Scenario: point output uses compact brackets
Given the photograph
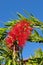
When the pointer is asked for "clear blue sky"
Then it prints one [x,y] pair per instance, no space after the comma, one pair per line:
[8,10]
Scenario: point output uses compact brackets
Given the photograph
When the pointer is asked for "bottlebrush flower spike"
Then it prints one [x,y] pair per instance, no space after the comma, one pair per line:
[9,41]
[20,33]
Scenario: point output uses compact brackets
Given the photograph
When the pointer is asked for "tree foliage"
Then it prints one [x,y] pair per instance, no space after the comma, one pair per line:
[6,55]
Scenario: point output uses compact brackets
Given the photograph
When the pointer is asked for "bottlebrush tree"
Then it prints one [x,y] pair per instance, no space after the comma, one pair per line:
[14,35]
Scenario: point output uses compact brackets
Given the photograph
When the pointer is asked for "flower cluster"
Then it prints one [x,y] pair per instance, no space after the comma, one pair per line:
[20,32]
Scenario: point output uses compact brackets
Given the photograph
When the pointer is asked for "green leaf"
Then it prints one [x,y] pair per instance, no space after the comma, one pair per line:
[2,30]
[8,62]
[20,16]
[35,37]
[1,57]
[11,23]
[36,32]
[4,51]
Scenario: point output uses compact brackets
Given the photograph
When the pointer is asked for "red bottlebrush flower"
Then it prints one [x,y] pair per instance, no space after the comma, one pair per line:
[20,32]
[21,41]
[11,34]
[9,41]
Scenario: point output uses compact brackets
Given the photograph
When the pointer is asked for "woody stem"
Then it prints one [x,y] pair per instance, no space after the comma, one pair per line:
[14,56]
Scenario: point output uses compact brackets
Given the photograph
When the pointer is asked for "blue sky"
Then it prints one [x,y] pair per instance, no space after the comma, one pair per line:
[8,10]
